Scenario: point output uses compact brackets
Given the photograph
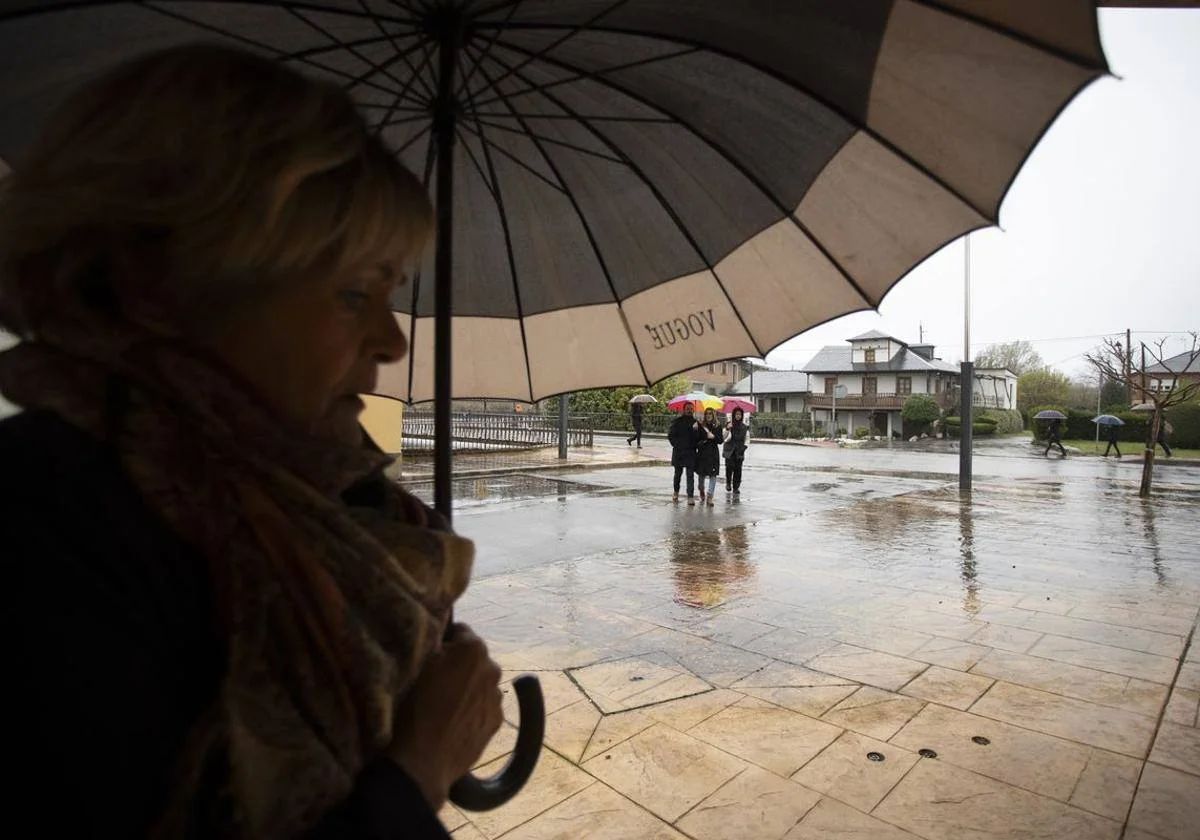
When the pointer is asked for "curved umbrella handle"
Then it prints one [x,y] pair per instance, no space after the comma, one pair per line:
[475,794]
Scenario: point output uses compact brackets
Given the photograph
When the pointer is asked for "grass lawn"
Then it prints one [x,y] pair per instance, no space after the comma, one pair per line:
[1090,447]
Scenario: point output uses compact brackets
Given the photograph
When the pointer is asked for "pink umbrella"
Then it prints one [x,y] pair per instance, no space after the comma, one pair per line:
[730,403]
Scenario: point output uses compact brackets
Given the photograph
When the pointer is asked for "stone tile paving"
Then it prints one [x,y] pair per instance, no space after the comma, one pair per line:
[790,676]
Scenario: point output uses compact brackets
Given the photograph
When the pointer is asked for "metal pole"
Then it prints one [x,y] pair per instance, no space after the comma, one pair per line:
[968,376]
[443,130]
[833,431]
[563,401]
[1099,391]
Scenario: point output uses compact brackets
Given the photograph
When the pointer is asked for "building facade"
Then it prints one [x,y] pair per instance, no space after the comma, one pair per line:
[776,391]
[717,377]
[879,372]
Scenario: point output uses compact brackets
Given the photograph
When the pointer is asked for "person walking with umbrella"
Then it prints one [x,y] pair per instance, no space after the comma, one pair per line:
[708,455]
[1113,432]
[1164,429]
[636,408]
[683,437]
[1054,437]
[734,450]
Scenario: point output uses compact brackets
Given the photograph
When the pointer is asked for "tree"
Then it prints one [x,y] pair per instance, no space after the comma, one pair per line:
[920,410]
[1082,394]
[1042,387]
[1114,362]
[616,400]
[1114,394]
[1017,356]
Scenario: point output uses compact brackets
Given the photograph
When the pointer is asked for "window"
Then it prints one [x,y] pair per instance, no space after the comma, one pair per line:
[904,385]
[778,404]
[723,368]
[712,367]
[870,385]
[869,353]
[762,404]
[830,381]
[937,385]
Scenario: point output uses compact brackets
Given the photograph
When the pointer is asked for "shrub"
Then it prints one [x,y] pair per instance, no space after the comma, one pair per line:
[1185,419]
[920,410]
[978,428]
[1008,421]
[861,432]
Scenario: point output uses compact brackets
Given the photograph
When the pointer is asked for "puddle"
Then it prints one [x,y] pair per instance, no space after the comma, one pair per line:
[711,567]
[473,492]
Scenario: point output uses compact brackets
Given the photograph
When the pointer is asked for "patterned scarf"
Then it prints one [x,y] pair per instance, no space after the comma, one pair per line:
[327,610]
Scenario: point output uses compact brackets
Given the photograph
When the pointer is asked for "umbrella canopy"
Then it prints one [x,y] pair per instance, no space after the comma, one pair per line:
[730,403]
[1108,420]
[1049,414]
[698,400]
[642,398]
[638,191]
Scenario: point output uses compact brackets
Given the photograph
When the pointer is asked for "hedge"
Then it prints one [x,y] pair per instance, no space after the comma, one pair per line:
[1008,420]
[981,426]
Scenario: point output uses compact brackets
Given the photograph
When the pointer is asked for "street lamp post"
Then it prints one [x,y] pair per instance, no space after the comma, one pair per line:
[967,376]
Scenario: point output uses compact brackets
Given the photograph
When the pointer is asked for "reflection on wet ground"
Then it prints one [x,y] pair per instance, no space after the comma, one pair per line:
[725,672]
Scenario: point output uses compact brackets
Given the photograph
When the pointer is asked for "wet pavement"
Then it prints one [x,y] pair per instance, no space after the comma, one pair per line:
[851,649]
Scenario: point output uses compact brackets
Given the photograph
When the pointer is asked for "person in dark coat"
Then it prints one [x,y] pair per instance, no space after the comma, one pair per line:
[1164,430]
[1054,437]
[1113,432]
[708,455]
[635,417]
[682,435]
[737,435]
[221,620]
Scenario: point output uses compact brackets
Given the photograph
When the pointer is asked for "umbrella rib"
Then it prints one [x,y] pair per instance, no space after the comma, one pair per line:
[581,149]
[396,46]
[664,203]
[299,15]
[731,159]
[427,52]
[594,118]
[587,229]
[501,150]
[508,248]
[279,54]
[831,106]
[426,179]
[465,85]
[413,139]
[592,74]
[491,188]
[573,30]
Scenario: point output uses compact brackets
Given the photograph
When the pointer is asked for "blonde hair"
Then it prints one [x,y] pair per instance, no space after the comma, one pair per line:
[190,178]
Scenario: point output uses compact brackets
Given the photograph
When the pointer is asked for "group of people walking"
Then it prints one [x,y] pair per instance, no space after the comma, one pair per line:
[1054,438]
[697,447]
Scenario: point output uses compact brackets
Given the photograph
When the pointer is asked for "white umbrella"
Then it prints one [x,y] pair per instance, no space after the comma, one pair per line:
[642,398]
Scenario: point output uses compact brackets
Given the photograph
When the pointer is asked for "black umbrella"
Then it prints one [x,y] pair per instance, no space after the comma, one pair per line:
[643,185]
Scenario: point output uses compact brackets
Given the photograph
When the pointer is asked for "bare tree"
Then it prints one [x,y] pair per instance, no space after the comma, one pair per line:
[1017,356]
[1116,363]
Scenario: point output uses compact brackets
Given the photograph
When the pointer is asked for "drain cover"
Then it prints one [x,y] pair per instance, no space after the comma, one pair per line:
[981,741]
[927,753]
[875,756]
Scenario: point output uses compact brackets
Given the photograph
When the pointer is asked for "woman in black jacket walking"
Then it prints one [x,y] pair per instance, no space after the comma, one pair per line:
[682,435]
[708,454]
[736,435]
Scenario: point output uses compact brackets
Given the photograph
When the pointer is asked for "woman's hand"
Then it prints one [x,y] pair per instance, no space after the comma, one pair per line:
[449,715]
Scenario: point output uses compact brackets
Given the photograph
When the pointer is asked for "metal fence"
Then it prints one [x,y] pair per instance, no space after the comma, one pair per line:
[483,432]
[762,425]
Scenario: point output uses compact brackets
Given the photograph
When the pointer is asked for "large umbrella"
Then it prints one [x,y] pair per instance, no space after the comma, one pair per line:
[1049,414]
[1108,420]
[644,188]
[642,399]
[728,404]
[698,400]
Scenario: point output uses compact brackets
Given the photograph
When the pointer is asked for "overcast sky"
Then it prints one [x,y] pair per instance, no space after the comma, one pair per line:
[1101,230]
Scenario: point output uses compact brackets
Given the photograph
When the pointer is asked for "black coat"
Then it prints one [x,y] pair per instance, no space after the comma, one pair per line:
[635,415]
[111,653]
[708,450]
[683,439]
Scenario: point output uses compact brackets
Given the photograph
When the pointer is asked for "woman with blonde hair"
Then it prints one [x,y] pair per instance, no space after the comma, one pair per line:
[224,621]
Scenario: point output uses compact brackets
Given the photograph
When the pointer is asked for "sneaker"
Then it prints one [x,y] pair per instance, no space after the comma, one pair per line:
[737,492]
[710,501]
[691,501]
[674,497]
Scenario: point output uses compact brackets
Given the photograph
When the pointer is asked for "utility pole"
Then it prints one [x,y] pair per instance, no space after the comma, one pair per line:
[1128,360]
[967,375]
[563,400]
[1142,396]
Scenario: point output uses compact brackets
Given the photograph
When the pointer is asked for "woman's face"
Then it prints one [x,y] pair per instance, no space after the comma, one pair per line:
[738,415]
[313,347]
[710,416]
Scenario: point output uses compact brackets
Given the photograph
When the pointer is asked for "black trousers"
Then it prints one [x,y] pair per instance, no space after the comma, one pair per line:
[1112,444]
[1166,448]
[637,433]
[733,473]
[1055,442]
[691,479]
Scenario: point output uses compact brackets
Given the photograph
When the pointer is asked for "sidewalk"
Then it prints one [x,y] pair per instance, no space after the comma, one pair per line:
[479,464]
[840,656]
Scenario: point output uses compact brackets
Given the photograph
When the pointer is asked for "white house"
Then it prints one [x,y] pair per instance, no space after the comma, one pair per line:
[879,373]
[774,390]
[995,388]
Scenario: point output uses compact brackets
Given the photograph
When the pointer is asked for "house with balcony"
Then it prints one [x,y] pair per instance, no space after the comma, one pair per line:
[776,391]
[879,373]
